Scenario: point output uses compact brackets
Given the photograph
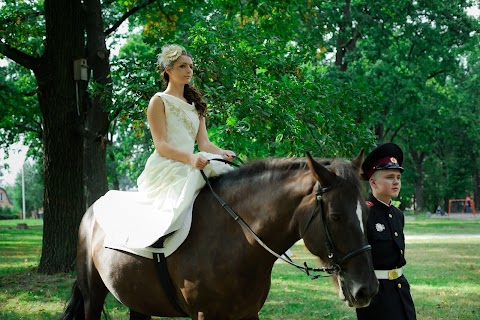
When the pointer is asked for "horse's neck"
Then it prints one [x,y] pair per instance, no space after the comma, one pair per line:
[272,202]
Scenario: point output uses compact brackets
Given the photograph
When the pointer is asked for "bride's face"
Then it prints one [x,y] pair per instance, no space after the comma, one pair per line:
[182,70]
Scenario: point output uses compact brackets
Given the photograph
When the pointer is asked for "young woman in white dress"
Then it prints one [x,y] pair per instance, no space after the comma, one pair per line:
[178,74]
[171,179]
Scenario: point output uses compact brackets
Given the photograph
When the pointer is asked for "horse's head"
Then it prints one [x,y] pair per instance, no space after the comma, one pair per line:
[334,230]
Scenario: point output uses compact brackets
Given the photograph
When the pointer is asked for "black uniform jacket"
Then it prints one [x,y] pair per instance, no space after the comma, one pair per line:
[385,235]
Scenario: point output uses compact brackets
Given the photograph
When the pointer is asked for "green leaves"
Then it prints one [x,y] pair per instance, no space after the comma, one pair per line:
[23,26]
[19,111]
[267,73]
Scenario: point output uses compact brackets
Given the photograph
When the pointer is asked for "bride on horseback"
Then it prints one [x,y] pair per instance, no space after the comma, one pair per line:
[171,180]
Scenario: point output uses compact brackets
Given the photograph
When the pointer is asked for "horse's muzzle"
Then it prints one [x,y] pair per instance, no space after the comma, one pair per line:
[358,295]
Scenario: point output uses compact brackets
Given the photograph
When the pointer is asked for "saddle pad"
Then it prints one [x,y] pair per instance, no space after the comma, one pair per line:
[170,244]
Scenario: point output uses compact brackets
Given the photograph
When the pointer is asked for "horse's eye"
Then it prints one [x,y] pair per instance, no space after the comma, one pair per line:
[336,216]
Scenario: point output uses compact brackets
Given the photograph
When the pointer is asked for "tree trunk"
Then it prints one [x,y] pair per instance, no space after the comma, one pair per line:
[445,178]
[63,119]
[347,37]
[476,190]
[113,173]
[97,121]
[476,180]
[418,158]
[380,131]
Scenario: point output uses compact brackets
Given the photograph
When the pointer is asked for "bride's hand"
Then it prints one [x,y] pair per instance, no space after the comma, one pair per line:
[198,161]
[228,155]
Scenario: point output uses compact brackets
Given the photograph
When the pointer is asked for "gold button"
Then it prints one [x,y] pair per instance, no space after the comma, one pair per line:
[399,286]
[390,215]
[401,251]
[396,234]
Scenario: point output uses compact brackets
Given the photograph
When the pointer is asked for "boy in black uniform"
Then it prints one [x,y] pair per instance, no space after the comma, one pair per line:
[382,169]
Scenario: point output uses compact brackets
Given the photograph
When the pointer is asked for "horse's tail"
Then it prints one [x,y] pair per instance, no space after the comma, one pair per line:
[75,308]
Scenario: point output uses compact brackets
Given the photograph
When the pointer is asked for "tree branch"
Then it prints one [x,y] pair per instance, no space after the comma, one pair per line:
[410,52]
[18,56]
[30,93]
[396,132]
[314,139]
[433,75]
[27,128]
[126,15]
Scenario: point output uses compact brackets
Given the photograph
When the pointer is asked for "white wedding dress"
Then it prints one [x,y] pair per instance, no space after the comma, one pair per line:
[166,188]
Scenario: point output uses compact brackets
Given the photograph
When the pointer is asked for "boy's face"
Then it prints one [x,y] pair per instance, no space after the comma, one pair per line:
[386,184]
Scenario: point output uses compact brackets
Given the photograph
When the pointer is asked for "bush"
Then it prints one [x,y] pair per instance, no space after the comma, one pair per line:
[6,213]
[8,217]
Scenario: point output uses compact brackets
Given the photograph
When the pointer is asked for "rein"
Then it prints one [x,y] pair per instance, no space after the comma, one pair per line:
[318,204]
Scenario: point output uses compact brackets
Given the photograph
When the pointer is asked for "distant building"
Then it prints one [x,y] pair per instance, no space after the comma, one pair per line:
[4,199]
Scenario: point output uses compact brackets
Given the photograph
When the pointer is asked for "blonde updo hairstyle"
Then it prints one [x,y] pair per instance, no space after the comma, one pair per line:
[166,59]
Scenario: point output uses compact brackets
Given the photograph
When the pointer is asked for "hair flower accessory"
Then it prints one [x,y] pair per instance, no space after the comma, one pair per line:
[170,54]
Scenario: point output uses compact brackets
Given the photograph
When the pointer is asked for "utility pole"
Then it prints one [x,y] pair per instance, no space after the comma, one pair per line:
[23,192]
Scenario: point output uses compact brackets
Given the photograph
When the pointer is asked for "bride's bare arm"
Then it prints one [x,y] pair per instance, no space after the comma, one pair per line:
[204,143]
[158,128]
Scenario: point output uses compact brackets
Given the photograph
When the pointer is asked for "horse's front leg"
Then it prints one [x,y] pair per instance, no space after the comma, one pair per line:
[134,315]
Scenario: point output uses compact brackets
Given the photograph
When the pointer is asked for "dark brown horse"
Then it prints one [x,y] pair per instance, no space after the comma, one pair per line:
[221,271]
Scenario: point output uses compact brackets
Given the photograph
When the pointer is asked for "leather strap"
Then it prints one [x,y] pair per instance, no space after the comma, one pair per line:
[160,263]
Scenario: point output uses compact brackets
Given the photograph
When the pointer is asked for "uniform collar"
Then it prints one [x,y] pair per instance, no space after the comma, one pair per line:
[373,199]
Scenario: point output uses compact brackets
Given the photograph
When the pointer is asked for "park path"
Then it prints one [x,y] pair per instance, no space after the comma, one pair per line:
[441,236]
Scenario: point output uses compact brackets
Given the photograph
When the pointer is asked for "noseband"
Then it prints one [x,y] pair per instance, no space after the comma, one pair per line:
[332,252]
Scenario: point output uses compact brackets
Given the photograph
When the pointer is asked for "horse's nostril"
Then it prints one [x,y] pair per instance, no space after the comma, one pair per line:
[363,295]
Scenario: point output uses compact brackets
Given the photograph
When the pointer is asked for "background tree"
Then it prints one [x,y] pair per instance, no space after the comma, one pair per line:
[407,50]
[46,37]
[463,129]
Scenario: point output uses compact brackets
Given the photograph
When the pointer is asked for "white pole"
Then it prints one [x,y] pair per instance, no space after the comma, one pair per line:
[23,193]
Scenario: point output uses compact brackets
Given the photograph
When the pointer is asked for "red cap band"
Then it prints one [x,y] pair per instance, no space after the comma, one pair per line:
[383,163]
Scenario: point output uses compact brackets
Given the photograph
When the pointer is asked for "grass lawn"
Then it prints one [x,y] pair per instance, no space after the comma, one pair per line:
[444,275]
[421,225]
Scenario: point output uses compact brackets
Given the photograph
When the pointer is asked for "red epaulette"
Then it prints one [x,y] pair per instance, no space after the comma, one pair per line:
[369,203]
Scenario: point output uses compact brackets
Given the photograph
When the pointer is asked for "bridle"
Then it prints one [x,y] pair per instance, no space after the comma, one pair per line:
[332,252]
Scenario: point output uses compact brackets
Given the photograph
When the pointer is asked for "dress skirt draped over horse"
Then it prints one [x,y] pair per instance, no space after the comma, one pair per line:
[166,188]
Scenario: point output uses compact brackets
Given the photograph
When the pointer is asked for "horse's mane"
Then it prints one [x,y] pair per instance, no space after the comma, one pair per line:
[347,172]
[256,169]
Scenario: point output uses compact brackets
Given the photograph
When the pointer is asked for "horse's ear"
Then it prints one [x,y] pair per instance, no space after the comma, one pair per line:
[320,172]
[357,162]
